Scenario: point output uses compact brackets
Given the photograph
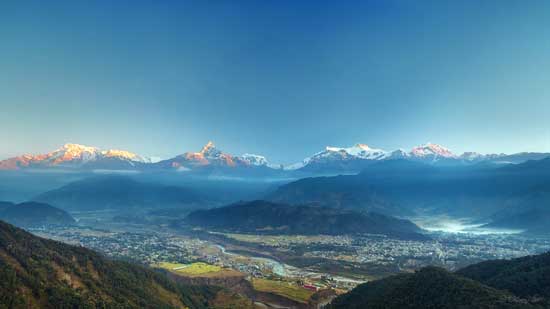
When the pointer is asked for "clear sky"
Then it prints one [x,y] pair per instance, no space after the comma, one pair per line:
[279,78]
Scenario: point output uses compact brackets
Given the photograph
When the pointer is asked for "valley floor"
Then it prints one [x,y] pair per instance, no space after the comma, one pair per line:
[293,267]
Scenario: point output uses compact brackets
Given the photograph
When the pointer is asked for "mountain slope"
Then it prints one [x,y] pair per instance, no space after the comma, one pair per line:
[32,214]
[41,273]
[528,210]
[338,192]
[212,161]
[527,277]
[402,187]
[430,287]
[270,218]
[118,192]
[361,192]
[518,283]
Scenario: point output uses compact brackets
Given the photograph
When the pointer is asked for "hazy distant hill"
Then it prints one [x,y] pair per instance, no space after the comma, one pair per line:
[4,205]
[40,273]
[32,214]
[379,188]
[118,192]
[338,192]
[517,283]
[404,186]
[529,211]
[270,218]
[533,221]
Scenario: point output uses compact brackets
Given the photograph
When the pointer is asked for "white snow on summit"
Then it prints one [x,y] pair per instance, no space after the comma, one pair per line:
[253,159]
[429,150]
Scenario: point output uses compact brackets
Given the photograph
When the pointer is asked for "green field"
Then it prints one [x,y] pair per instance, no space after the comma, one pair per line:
[193,269]
[282,288]
[198,269]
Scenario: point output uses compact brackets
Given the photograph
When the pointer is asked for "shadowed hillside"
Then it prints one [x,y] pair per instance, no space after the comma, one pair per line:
[116,193]
[40,273]
[33,214]
[271,218]
[517,283]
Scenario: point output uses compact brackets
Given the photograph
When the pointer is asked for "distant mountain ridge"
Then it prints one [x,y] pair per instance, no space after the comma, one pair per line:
[33,214]
[211,157]
[116,192]
[530,210]
[76,156]
[211,160]
[512,196]
[263,217]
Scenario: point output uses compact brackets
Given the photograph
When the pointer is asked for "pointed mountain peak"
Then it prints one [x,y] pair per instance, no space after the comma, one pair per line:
[429,149]
[253,159]
[123,154]
[208,147]
[362,146]
[355,148]
[398,154]
[78,148]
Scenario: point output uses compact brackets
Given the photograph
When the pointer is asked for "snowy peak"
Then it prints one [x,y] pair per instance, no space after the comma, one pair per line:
[71,152]
[70,155]
[125,155]
[361,151]
[255,160]
[78,149]
[212,156]
[209,154]
[355,149]
[432,150]
[471,156]
[209,149]
[398,154]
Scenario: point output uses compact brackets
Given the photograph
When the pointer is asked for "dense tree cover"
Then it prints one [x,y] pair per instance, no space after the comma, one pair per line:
[271,218]
[430,287]
[41,273]
[517,283]
[527,277]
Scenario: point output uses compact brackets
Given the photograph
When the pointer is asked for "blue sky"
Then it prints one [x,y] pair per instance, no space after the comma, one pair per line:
[279,78]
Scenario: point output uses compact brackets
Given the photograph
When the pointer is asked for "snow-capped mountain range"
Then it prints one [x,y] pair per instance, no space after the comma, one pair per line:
[74,156]
[209,158]
[362,152]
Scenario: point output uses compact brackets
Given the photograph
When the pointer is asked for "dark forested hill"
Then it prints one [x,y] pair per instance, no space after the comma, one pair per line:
[33,214]
[272,218]
[430,287]
[41,273]
[517,283]
[527,277]
[118,192]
